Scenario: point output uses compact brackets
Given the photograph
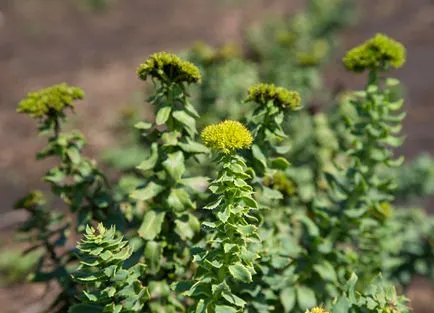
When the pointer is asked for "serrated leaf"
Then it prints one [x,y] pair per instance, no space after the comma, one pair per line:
[326,271]
[233,299]
[258,155]
[174,165]
[250,202]
[188,122]
[225,309]
[150,191]
[149,163]
[287,298]
[179,200]
[153,256]
[163,115]
[187,230]
[151,225]
[341,306]
[193,147]
[73,155]
[240,272]
[306,298]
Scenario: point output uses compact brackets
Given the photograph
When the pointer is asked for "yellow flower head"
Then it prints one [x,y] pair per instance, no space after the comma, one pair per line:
[317,310]
[168,66]
[34,198]
[378,53]
[315,56]
[227,136]
[262,93]
[50,101]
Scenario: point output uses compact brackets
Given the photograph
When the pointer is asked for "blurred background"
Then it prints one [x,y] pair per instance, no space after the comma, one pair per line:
[97,45]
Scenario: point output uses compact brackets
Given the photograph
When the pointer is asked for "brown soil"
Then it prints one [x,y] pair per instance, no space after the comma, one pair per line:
[43,42]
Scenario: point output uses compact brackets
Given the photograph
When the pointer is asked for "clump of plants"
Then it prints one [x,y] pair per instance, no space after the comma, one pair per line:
[238,219]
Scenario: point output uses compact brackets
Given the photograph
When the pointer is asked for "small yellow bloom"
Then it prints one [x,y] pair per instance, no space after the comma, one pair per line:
[262,93]
[168,66]
[50,101]
[378,53]
[34,198]
[317,310]
[227,136]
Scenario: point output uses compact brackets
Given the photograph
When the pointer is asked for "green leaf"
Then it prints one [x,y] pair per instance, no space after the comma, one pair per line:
[73,155]
[350,286]
[341,306]
[85,308]
[150,191]
[153,252]
[240,272]
[305,297]
[280,163]
[271,194]
[311,227]
[143,125]
[246,230]
[225,309]
[187,230]
[149,163]
[193,147]
[188,122]
[174,165]
[287,298]
[201,308]
[151,225]
[179,200]
[326,271]
[170,138]
[214,204]
[250,202]
[258,155]
[233,299]
[163,115]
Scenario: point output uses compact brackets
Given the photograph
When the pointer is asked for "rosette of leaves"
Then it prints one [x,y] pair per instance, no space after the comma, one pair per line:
[168,225]
[47,231]
[108,286]
[76,179]
[227,262]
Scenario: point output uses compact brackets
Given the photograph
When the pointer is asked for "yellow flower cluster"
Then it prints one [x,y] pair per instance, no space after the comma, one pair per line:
[227,136]
[262,93]
[50,101]
[317,310]
[208,55]
[168,66]
[315,56]
[32,199]
[378,53]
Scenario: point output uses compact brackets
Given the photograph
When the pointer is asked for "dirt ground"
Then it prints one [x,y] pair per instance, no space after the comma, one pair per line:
[43,42]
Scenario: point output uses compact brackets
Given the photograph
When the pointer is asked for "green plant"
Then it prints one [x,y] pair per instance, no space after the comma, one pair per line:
[108,285]
[230,254]
[293,212]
